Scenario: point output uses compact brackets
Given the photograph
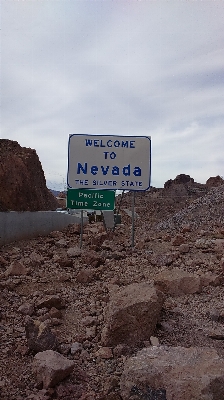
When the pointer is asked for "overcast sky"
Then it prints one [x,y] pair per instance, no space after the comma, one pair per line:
[141,68]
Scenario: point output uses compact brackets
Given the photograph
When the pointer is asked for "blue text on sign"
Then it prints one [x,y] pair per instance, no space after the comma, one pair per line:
[111,143]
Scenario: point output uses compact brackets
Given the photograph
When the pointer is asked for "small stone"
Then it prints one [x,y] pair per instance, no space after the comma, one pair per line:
[74,252]
[89,320]
[216,334]
[76,347]
[36,259]
[184,248]
[65,262]
[154,341]
[26,309]
[90,332]
[105,353]
[61,243]
[86,275]
[16,268]
[3,262]
[55,313]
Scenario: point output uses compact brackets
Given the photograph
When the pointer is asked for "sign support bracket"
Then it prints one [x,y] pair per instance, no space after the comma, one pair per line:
[118,210]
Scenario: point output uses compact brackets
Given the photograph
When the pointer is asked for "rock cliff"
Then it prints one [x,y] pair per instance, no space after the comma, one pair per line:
[22,181]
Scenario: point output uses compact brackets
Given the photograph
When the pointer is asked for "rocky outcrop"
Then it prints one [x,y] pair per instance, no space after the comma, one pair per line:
[157,203]
[22,181]
[180,373]
[180,179]
[215,181]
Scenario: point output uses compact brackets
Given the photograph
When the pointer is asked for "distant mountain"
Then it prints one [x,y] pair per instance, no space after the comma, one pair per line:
[55,192]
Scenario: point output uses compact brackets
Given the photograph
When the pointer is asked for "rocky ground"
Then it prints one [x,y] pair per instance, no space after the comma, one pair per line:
[49,285]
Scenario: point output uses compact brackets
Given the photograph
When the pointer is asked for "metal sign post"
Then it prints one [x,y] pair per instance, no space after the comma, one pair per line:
[133,220]
[81,233]
[118,210]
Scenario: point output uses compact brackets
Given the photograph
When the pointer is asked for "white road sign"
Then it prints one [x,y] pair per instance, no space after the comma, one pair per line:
[109,162]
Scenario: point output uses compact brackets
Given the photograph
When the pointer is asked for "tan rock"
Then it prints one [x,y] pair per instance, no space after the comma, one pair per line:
[177,282]
[105,353]
[16,268]
[51,368]
[154,341]
[182,373]
[132,314]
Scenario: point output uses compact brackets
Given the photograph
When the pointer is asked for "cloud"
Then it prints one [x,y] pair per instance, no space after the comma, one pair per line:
[116,67]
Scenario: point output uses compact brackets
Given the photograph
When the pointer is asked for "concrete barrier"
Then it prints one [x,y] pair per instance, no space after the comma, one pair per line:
[16,226]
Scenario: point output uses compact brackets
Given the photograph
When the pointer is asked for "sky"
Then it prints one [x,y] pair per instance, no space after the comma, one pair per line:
[116,67]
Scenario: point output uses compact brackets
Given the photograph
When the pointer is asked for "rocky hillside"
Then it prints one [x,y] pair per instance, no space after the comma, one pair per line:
[160,203]
[22,181]
[112,322]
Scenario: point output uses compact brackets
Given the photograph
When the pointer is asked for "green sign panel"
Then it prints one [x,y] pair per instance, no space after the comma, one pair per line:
[87,199]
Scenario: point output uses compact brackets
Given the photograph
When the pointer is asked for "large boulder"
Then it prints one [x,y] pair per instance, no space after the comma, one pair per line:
[132,314]
[51,368]
[179,373]
[22,180]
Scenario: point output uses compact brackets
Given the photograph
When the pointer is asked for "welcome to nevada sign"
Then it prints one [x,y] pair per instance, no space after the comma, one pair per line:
[109,162]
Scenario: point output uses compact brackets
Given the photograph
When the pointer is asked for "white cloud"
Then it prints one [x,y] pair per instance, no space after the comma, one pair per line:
[116,67]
